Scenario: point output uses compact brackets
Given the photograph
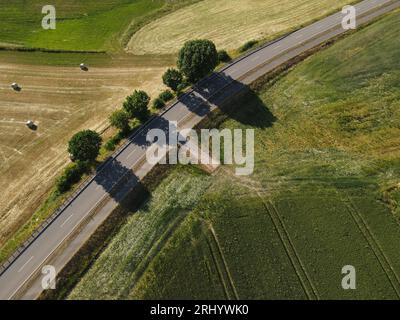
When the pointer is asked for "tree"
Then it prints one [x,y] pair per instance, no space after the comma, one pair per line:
[84,145]
[136,105]
[120,120]
[172,78]
[197,58]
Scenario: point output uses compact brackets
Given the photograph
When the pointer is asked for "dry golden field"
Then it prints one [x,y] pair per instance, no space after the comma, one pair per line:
[61,100]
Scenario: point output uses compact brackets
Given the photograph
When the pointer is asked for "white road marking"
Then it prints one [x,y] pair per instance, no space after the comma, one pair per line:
[256,57]
[66,220]
[25,264]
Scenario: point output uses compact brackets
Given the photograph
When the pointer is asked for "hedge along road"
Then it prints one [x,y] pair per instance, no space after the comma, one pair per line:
[20,279]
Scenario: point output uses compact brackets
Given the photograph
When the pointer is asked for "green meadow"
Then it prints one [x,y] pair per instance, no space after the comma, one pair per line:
[81,25]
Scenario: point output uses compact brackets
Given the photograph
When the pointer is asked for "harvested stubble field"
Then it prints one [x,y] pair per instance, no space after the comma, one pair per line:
[228,23]
[324,194]
[61,100]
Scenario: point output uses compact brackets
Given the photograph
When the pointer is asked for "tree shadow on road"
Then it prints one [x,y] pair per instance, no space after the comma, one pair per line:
[234,98]
[116,179]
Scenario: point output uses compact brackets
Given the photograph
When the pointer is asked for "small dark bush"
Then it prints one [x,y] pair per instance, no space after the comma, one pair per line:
[166,95]
[223,56]
[112,143]
[182,87]
[248,45]
[71,175]
[158,103]
[120,120]
[136,105]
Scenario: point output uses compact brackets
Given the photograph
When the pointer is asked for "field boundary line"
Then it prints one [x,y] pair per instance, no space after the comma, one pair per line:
[374,245]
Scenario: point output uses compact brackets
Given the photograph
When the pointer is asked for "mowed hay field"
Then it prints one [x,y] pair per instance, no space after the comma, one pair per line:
[229,23]
[61,100]
[324,194]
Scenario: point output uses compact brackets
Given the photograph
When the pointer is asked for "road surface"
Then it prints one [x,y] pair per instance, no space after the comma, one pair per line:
[117,177]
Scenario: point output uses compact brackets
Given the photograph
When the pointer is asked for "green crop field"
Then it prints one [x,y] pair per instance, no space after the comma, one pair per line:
[324,194]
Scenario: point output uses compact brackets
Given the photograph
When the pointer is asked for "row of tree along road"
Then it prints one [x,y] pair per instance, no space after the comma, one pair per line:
[196,59]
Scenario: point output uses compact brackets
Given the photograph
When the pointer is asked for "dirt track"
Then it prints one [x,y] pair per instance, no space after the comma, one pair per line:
[61,100]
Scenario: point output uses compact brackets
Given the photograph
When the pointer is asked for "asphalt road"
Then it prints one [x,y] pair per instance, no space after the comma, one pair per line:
[124,171]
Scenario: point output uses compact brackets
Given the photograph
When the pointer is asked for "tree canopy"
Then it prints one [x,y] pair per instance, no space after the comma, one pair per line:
[120,120]
[136,105]
[172,78]
[197,58]
[85,145]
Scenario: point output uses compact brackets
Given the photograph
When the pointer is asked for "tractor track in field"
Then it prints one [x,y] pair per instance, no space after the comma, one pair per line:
[294,258]
[291,252]
[218,267]
[219,262]
[225,264]
[373,243]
